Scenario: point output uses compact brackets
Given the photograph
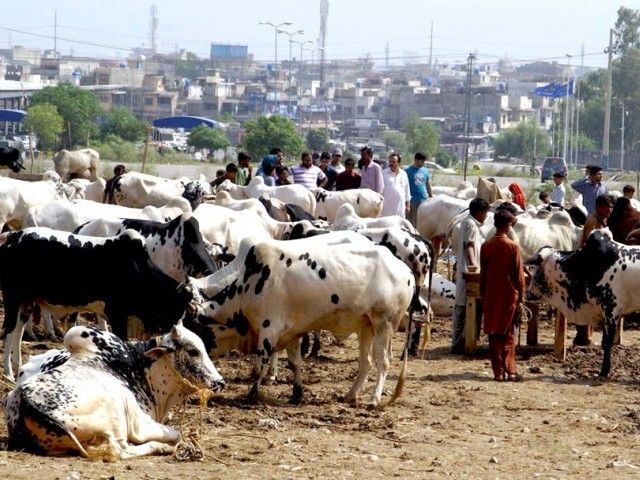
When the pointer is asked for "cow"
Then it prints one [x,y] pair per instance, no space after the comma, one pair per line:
[68,216]
[278,291]
[83,189]
[82,163]
[435,217]
[18,196]
[284,212]
[347,219]
[464,191]
[443,295]
[291,194]
[104,398]
[175,247]
[595,283]
[366,202]
[138,190]
[11,158]
[39,265]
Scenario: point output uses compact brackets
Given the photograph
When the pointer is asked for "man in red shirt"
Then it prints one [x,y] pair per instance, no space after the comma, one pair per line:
[348,179]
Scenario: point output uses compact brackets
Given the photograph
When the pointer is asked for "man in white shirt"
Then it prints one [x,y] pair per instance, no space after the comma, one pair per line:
[307,174]
[559,192]
[396,188]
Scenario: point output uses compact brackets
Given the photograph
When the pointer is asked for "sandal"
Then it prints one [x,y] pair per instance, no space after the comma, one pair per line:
[514,377]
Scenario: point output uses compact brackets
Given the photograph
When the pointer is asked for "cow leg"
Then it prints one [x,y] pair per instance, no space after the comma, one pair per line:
[29,334]
[12,354]
[381,359]
[49,329]
[263,357]
[365,338]
[608,334]
[315,348]
[294,355]
[148,448]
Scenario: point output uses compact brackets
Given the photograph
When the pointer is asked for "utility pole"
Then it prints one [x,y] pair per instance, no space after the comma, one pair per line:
[566,112]
[624,114]
[153,27]
[467,109]
[575,161]
[607,107]
[275,61]
[431,47]
[55,33]
[324,14]
[386,60]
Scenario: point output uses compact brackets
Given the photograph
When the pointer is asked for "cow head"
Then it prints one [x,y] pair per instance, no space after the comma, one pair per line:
[194,192]
[536,267]
[11,158]
[196,258]
[190,357]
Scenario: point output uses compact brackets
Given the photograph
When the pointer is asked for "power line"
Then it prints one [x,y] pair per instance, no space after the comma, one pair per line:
[68,40]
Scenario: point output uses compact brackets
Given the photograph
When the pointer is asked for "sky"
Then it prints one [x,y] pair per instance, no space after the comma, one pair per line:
[493,29]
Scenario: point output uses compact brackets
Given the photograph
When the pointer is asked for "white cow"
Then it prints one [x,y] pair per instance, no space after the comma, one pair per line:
[67,216]
[443,295]
[366,202]
[83,189]
[464,191]
[278,291]
[83,163]
[18,196]
[347,219]
[435,216]
[292,194]
[138,190]
[105,398]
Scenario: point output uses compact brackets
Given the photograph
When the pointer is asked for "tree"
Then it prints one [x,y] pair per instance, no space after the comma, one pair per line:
[519,141]
[317,139]
[79,109]
[264,133]
[203,136]
[121,122]
[422,136]
[226,117]
[46,123]
[627,30]
[446,159]
[396,141]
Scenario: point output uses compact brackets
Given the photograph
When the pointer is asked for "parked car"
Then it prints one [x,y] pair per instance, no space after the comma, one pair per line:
[435,168]
[553,165]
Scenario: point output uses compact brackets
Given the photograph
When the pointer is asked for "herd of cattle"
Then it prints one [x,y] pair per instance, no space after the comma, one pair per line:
[251,268]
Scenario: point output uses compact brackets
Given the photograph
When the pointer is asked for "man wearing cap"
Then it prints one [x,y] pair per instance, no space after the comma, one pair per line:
[371,172]
[419,185]
[590,187]
[243,175]
[335,167]
[108,197]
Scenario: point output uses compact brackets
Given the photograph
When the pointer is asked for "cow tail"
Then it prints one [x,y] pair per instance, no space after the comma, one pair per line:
[401,379]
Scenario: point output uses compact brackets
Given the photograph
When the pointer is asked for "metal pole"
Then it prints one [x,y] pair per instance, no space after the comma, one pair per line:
[468,114]
[622,139]
[566,113]
[289,87]
[275,71]
[577,80]
[607,107]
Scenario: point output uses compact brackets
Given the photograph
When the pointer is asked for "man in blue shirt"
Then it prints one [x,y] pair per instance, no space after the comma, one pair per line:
[419,185]
[590,187]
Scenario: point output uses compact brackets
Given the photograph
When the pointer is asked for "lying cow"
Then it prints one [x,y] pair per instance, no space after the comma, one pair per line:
[39,265]
[365,202]
[597,282]
[278,291]
[83,163]
[11,158]
[106,398]
[139,190]
[347,219]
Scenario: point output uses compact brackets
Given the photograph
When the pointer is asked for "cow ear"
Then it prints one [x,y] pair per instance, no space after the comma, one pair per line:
[157,353]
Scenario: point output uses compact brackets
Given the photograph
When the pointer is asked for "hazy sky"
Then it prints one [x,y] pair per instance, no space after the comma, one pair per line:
[532,30]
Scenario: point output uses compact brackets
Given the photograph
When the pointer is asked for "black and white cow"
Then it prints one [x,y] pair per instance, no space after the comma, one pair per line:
[39,265]
[102,397]
[176,247]
[279,290]
[595,283]
[11,158]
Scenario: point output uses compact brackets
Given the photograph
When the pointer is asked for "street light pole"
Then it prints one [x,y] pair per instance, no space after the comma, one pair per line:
[275,61]
[291,35]
[566,112]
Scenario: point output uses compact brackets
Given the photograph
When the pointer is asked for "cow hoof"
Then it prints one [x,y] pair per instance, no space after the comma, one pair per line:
[252,397]
[296,396]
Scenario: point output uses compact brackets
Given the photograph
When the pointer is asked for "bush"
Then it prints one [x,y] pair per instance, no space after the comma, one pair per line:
[446,159]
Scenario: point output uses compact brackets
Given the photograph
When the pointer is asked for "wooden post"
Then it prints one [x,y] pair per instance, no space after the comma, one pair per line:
[144,157]
[617,339]
[471,320]
[31,150]
[560,349]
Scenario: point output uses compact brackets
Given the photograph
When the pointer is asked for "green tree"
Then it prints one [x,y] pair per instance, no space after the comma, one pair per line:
[519,141]
[191,66]
[226,117]
[627,30]
[317,139]
[46,123]
[422,136]
[79,108]
[396,141]
[264,133]
[446,159]
[121,122]
[203,136]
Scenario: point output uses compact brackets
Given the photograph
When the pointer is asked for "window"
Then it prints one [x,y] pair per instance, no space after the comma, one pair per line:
[360,110]
[164,100]
[148,101]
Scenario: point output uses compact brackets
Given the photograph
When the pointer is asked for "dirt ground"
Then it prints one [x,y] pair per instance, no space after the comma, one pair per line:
[452,421]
